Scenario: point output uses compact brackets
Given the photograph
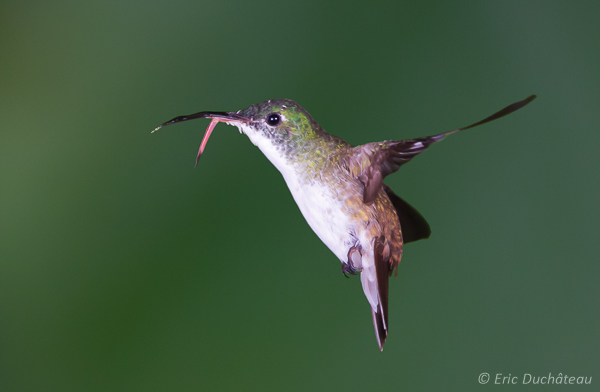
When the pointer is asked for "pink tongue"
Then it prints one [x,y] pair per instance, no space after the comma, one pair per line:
[209,130]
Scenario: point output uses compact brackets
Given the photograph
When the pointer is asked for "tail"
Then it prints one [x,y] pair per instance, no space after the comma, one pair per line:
[374,279]
[380,324]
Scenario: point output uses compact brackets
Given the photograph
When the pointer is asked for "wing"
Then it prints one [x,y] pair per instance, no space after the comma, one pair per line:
[414,227]
[387,157]
[377,160]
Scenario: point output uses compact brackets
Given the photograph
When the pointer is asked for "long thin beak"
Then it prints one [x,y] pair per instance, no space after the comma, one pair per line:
[215,116]
[222,116]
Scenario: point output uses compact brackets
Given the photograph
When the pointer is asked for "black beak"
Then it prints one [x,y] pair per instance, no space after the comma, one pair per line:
[226,116]
[215,116]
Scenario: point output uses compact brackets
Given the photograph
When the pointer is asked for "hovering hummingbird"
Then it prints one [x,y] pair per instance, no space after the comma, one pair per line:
[339,188]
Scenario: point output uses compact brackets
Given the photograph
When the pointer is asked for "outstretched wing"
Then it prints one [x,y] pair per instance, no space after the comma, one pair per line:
[387,157]
[380,159]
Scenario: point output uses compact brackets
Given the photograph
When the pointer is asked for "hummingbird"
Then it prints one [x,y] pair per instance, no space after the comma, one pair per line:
[340,188]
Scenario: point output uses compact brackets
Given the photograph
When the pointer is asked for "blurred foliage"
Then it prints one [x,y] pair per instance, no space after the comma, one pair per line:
[123,268]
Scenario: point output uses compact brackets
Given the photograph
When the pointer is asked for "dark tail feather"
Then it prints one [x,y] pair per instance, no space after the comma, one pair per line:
[382,268]
[380,326]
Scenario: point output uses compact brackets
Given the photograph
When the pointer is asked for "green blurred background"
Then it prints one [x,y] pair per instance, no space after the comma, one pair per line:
[123,268]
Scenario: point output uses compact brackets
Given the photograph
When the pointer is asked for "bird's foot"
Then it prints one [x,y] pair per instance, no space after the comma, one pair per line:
[354,259]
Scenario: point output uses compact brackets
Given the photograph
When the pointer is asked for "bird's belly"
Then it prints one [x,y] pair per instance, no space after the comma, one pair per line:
[324,214]
[320,207]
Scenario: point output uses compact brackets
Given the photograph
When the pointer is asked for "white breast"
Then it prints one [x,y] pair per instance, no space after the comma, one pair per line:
[316,202]
[323,212]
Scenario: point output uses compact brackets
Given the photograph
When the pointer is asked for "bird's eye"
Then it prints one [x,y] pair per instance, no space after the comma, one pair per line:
[273,119]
